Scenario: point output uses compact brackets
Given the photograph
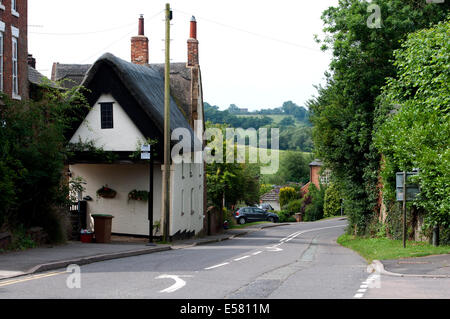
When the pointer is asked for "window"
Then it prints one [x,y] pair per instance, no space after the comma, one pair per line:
[15,78]
[1,61]
[106,110]
[192,202]
[14,8]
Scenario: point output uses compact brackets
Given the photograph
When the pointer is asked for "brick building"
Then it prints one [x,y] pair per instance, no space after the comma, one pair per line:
[14,48]
[317,176]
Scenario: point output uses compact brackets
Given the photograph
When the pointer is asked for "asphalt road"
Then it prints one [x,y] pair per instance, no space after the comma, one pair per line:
[297,261]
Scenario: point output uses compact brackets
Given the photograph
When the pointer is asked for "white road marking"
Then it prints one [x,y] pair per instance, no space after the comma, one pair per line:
[296,234]
[358,296]
[216,266]
[179,283]
[364,286]
[362,290]
[274,249]
[256,253]
[237,259]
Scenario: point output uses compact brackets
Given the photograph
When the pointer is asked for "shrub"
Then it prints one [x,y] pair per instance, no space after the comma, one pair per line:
[283,216]
[295,206]
[287,194]
[332,204]
[314,211]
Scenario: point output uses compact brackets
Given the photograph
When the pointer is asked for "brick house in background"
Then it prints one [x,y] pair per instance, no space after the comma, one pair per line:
[316,176]
[14,48]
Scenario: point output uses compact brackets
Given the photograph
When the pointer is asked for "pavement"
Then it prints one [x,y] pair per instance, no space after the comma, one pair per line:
[437,266]
[20,263]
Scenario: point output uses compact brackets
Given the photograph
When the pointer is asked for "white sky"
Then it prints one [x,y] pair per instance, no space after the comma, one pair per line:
[237,67]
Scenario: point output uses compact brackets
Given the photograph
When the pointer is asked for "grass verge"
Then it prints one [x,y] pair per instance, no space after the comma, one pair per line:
[384,248]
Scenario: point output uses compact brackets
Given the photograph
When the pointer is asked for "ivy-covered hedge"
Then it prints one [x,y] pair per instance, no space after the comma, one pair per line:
[414,129]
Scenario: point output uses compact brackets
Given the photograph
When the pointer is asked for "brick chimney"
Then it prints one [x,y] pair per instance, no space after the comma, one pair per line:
[193,44]
[139,45]
[31,61]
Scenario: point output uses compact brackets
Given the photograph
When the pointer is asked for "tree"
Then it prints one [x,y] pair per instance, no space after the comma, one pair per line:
[287,121]
[33,139]
[294,167]
[414,120]
[233,182]
[343,112]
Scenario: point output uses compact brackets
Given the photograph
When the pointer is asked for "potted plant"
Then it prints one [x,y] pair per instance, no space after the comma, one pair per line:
[138,195]
[106,192]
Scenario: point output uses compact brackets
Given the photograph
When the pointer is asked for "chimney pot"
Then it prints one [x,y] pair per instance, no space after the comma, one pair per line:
[31,61]
[141,25]
[193,44]
[139,45]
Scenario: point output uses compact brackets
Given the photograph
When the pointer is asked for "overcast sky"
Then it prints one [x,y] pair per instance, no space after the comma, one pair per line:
[253,53]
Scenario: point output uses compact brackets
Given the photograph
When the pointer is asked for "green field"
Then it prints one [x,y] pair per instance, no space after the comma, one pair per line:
[277,118]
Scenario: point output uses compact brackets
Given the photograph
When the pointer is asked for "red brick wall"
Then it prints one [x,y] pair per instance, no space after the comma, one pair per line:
[315,174]
[21,23]
[139,50]
[192,52]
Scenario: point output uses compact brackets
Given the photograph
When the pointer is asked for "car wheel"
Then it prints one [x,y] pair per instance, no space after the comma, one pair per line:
[241,220]
[271,219]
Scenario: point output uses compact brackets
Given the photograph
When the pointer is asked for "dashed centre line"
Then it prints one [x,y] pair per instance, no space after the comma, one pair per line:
[275,248]
[241,258]
[216,266]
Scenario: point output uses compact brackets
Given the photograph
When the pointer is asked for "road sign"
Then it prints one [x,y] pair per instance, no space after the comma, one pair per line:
[145,152]
[412,190]
[145,156]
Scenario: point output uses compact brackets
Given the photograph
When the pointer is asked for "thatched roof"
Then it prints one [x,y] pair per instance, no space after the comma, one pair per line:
[146,85]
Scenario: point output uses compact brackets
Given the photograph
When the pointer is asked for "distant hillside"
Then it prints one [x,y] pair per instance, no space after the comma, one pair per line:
[291,119]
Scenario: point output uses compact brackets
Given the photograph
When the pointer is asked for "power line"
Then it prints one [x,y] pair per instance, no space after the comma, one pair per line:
[108,46]
[92,32]
[83,33]
[252,33]
[118,40]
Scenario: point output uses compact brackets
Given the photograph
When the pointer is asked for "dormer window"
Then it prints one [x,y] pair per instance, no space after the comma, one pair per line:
[106,115]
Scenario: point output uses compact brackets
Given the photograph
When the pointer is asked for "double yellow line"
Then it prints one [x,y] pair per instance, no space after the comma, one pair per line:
[16,281]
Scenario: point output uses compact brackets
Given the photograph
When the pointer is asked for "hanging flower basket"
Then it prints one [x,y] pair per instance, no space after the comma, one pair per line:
[106,192]
[138,195]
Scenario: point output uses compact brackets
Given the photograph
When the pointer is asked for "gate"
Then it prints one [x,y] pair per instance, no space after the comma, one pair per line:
[77,214]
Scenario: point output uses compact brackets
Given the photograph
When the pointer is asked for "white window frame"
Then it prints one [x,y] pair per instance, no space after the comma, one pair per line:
[14,10]
[2,6]
[15,67]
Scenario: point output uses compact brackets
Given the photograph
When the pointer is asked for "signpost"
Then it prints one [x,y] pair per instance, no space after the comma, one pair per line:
[146,155]
[405,192]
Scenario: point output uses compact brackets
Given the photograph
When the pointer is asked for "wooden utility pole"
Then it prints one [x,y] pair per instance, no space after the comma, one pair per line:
[166,177]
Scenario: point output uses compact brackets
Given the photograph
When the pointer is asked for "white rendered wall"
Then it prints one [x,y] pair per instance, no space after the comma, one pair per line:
[187,210]
[130,217]
[124,135]
[274,204]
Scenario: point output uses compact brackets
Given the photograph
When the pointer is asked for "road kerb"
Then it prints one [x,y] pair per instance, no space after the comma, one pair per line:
[378,266]
[87,260]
